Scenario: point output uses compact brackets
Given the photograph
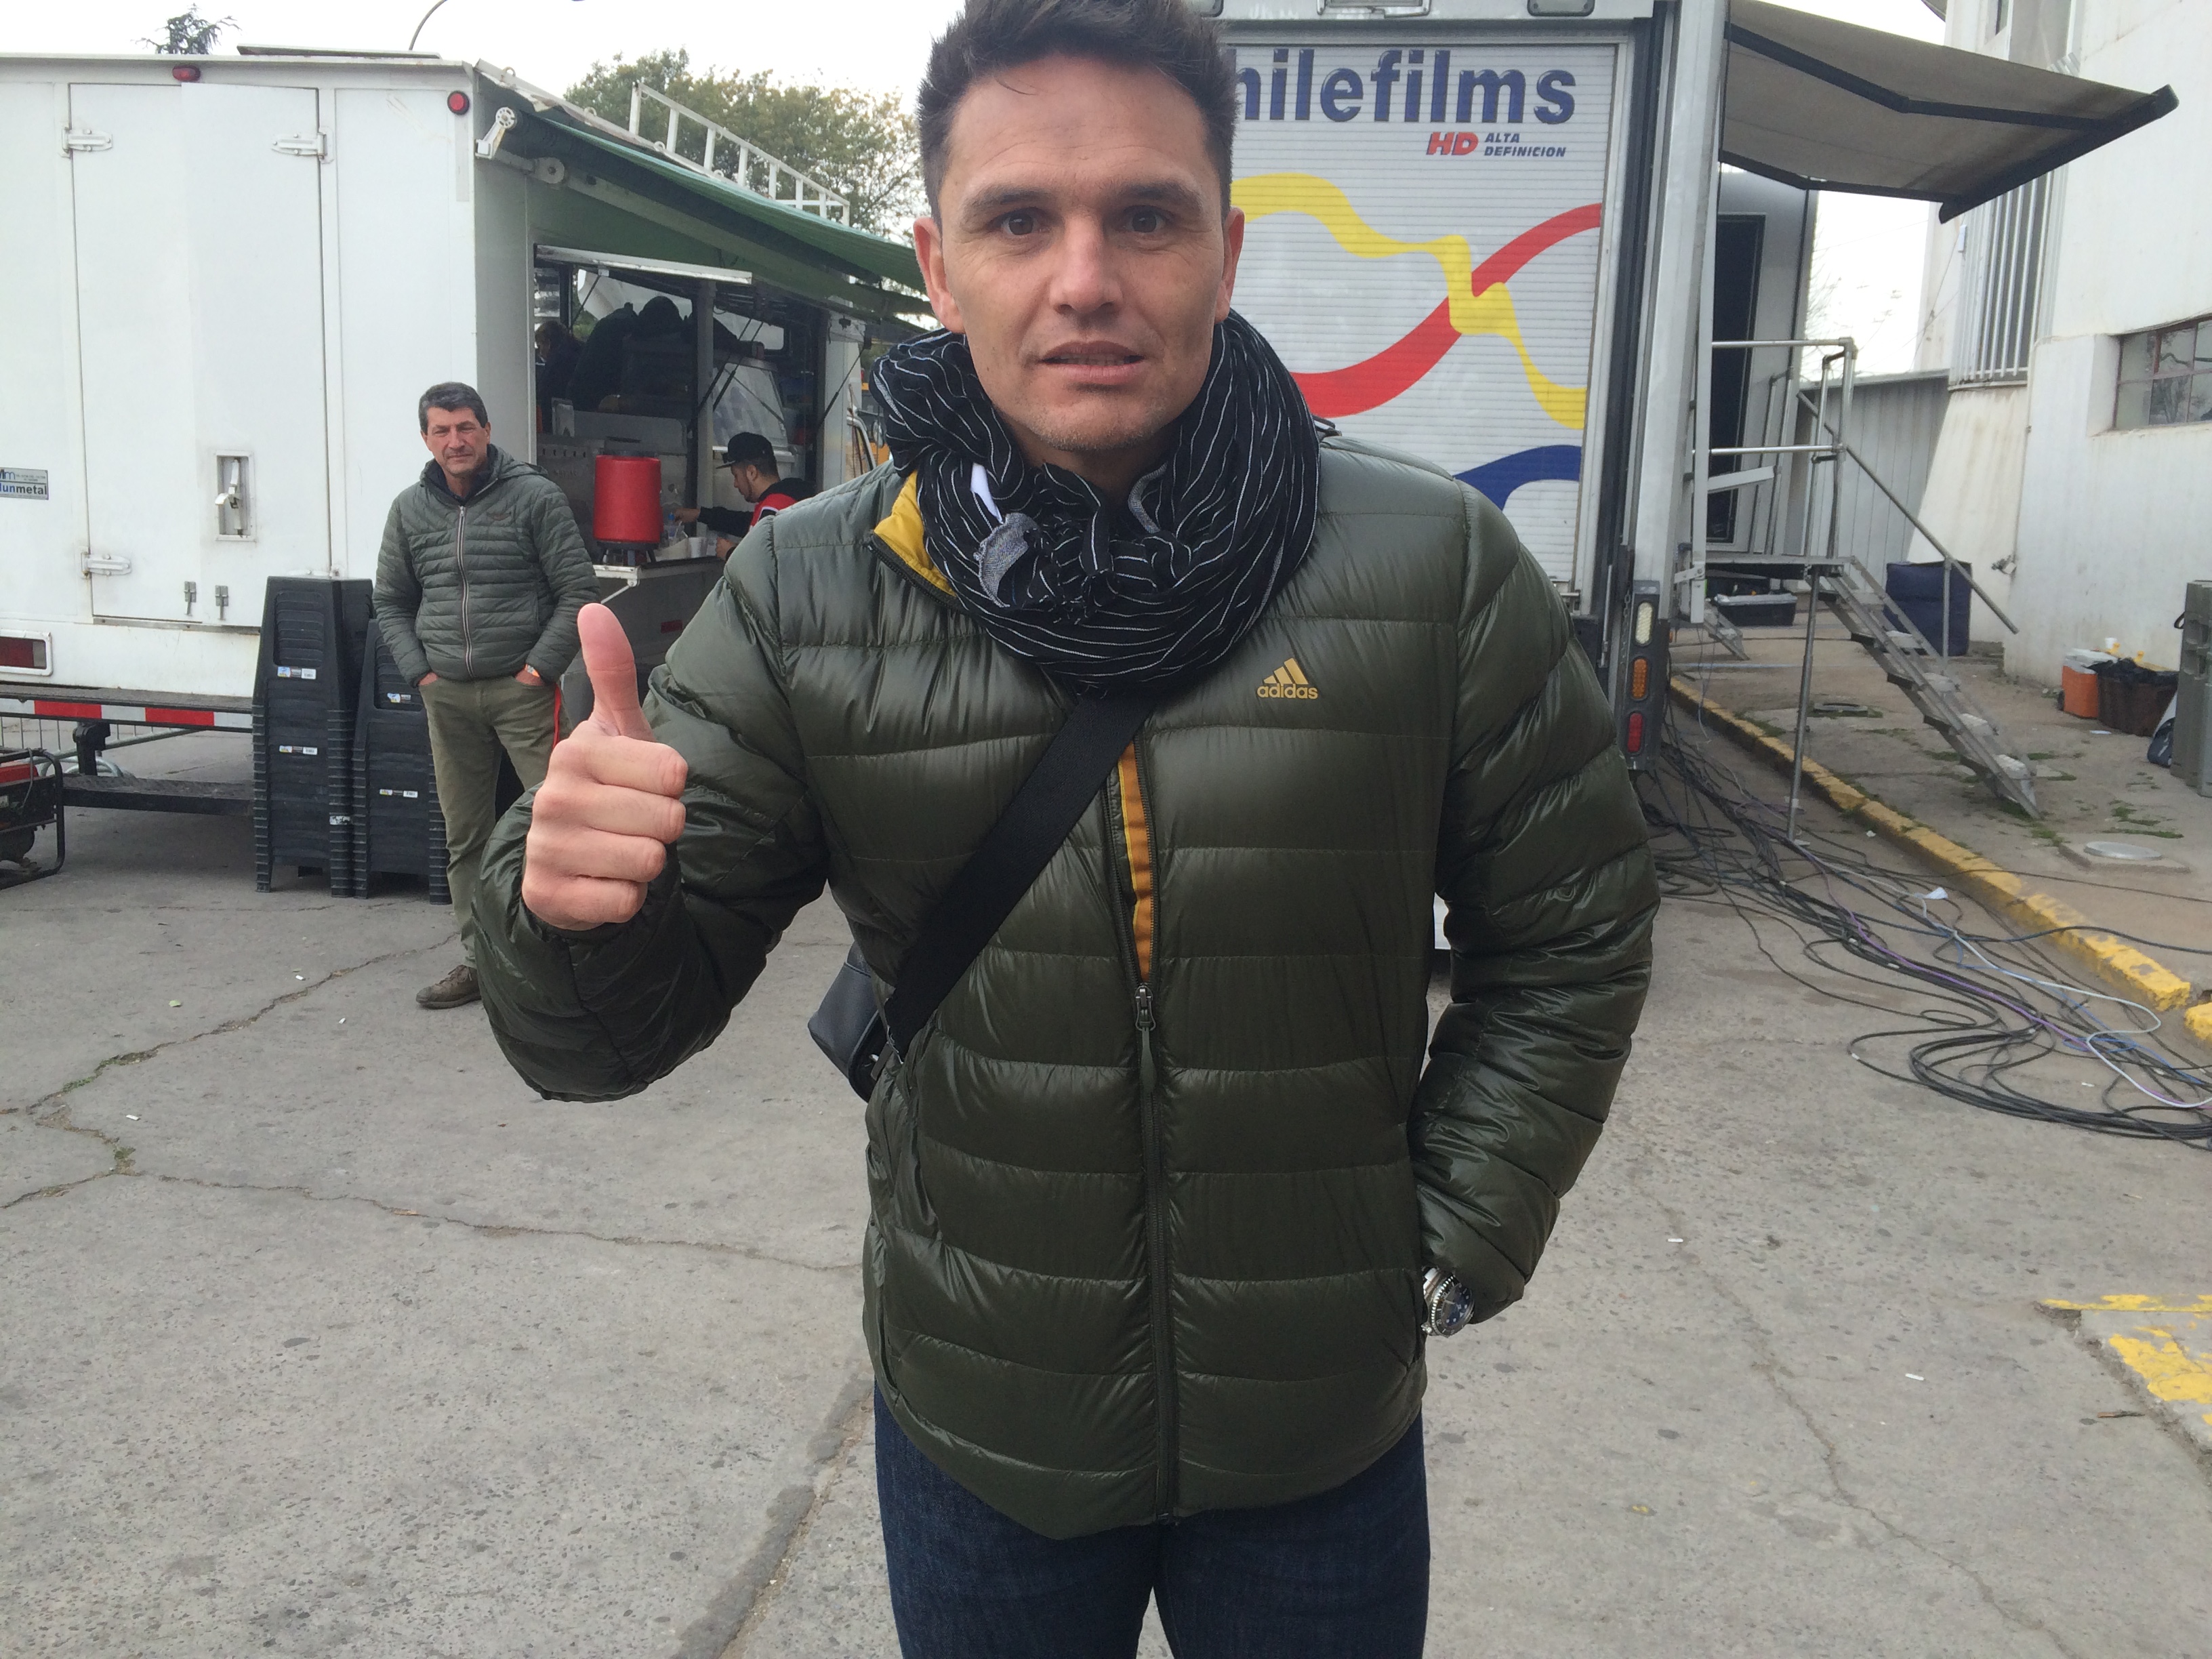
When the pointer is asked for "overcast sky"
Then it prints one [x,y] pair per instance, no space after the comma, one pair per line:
[1867,261]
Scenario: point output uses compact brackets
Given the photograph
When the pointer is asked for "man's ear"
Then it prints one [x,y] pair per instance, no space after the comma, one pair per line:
[1232,250]
[929,251]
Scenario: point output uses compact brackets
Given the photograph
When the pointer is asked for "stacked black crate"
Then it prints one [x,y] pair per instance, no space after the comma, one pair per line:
[312,633]
[397,827]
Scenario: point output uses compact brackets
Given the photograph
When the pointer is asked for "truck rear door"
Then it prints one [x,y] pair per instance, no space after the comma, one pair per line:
[1433,244]
[199,287]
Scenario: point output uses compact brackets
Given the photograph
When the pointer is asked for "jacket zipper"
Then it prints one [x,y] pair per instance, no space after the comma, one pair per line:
[1139,889]
[461,568]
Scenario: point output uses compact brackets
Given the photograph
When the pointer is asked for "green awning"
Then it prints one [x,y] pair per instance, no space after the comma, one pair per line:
[858,252]
[803,253]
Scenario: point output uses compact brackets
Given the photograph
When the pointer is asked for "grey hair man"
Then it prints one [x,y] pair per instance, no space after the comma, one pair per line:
[478,582]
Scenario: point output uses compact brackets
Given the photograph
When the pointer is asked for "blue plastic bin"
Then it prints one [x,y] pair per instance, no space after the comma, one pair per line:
[1917,591]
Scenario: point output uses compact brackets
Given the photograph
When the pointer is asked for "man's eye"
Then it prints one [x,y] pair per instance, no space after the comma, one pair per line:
[1019,224]
[1148,222]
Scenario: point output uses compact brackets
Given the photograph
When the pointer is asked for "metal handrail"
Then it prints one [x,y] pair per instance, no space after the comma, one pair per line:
[809,194]
[1963,573]
[1952,566]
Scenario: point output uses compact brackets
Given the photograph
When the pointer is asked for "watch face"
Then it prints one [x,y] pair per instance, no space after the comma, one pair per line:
[1453,1308]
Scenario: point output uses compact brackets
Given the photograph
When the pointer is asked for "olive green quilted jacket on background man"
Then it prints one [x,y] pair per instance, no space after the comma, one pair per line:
[1152,1194]
[475,589]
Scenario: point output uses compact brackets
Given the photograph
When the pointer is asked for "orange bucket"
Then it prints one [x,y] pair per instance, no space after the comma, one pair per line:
[2078,692]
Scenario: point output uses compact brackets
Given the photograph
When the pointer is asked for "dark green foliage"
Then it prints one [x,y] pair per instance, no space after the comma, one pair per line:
[188,35]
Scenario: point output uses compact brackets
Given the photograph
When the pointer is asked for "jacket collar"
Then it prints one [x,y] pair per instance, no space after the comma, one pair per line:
[901,533]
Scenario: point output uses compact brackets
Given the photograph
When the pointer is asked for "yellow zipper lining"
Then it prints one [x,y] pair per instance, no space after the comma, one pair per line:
[1137,832]
[901,532]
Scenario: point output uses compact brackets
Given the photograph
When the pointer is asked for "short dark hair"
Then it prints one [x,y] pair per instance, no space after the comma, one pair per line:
[749,449]
[451,394]
[992,36]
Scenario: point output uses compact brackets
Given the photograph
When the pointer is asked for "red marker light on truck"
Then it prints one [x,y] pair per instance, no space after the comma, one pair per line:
[458,102]
[185,72]
[1635,745]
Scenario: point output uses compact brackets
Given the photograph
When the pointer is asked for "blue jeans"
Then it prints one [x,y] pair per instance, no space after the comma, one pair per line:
[1342,1575]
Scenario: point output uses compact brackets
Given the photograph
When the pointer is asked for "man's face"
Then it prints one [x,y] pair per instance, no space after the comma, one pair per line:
[1079,244]
[752,484]
[458,440]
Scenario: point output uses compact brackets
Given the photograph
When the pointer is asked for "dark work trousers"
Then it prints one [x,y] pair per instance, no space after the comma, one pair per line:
[471,722]
[1343,1575]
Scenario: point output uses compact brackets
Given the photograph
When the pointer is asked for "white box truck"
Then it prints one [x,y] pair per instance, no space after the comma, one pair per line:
[232,277]
[1487,232]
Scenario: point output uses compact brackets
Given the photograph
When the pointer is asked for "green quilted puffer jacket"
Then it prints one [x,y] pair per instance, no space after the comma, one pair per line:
[476,589]
[1152,1194]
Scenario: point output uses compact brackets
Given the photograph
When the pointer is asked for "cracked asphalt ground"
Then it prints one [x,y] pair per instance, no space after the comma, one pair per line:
[320,1335]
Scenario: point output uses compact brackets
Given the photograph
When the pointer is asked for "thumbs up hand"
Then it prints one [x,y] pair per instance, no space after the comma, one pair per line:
[612,801]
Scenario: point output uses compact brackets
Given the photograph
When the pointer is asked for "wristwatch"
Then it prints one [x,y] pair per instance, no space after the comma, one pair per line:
[1446,1302]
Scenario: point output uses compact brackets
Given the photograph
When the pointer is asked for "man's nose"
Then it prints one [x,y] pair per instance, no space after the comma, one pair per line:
[1084,279]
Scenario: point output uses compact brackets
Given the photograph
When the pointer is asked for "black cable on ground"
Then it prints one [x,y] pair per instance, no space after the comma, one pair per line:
[1998,1024]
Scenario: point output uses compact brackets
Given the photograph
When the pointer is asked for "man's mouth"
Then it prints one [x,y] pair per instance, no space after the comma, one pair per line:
[1101,355]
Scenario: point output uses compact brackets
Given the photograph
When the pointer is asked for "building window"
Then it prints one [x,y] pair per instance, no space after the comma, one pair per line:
[2003,292]
[2000,15]
[2165,376]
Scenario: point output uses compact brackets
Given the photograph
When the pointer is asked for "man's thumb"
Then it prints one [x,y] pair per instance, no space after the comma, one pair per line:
[613,671]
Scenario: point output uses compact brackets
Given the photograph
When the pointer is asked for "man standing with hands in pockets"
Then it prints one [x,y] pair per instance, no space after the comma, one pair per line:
[1165,1201]
[477,586]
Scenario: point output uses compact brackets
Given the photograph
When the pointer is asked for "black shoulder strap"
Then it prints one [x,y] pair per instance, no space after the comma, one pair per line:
[1013,856]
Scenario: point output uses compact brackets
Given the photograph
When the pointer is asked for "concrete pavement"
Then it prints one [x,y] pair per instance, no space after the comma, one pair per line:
[328,1338]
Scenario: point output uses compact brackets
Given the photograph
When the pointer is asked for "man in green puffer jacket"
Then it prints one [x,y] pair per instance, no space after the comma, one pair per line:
[1164,1201]
[477,586]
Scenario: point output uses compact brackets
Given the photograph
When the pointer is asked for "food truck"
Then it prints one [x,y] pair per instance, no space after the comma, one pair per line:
[233,276]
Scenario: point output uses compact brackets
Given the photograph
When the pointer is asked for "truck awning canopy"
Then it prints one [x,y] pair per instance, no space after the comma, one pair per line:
[1829,106]
[802,252]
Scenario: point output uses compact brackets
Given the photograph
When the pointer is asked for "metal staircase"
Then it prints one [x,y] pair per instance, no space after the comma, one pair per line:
[1913,666]
[1814,436]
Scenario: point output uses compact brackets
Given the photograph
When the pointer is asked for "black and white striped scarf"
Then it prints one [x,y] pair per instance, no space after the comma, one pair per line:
[1105,596]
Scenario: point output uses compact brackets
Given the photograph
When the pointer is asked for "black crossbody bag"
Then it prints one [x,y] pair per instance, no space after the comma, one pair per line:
[856,1034]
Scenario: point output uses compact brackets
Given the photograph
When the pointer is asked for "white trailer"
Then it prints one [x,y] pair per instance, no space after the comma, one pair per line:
[230,279]
[1487,232]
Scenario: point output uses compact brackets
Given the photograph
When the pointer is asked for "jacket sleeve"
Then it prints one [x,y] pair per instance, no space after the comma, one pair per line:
[726,520]
[398,597]
[1543,863]
[602,1015]
[569,572]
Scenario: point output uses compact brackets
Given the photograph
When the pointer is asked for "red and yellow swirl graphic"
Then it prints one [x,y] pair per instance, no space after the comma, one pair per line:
[1478,302]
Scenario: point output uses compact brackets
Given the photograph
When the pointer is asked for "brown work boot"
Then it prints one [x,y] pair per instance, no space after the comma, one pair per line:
[451,992]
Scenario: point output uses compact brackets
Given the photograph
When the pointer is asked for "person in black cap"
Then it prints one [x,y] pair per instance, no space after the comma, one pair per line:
[751,461]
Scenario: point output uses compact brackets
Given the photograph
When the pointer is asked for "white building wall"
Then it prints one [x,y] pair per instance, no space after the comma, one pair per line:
[2106,527]
[2113,524]
[1972,500]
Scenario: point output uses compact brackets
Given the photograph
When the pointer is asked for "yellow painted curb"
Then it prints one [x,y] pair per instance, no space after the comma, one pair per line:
[2164,1344]
[2115,960]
